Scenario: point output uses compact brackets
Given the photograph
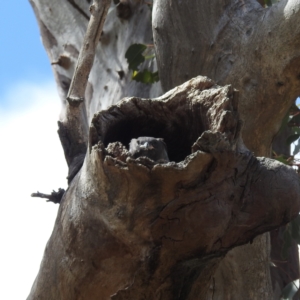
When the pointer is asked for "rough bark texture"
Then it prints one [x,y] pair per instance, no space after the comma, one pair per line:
[132,229]
[263,65]
[236,42]
[256,51]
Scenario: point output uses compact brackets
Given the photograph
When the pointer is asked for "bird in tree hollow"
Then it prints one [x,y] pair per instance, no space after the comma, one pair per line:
[153,148]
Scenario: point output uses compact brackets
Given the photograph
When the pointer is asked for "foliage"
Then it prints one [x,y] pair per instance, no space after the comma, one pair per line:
[136,55]
[145,76]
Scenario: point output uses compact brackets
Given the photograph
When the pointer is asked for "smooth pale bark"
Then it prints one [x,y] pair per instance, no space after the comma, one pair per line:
[98,10]
[236,43]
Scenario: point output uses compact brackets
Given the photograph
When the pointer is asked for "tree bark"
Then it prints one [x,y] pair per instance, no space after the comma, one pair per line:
[236,42]
[263,64]
[243,44]
[134,229]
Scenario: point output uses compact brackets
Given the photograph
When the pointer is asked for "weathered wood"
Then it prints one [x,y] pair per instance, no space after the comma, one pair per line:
[132,229]
[236,42]
[239,43]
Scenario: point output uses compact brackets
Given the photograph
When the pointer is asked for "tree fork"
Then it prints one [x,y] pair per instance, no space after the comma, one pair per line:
[237,43]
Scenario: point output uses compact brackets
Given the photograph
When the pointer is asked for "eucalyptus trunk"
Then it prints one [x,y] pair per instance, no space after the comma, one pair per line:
[132,229]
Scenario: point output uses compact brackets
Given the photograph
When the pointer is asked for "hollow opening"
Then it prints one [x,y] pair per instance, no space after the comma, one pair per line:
[179,136]
[179,117]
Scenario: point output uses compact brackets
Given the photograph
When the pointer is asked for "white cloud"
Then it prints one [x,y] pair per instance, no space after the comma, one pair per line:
[31,159]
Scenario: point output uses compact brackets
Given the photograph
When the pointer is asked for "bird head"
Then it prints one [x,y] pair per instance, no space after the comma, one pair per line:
[153,148]
[146,145]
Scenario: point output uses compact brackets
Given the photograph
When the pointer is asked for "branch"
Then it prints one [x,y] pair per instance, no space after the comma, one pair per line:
[98,10]
[54,197]
[72,131]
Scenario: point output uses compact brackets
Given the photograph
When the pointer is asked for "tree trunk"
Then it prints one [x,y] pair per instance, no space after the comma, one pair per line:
[236,45]
[163,231]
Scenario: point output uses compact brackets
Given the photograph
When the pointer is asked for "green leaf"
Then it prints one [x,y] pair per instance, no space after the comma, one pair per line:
[145,76]
[134,56]
[290,290]
[292,138]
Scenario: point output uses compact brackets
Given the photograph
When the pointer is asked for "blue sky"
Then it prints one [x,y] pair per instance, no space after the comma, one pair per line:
[31,156]
[22,56]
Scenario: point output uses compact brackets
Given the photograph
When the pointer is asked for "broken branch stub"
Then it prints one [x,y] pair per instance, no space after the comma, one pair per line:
[158,231]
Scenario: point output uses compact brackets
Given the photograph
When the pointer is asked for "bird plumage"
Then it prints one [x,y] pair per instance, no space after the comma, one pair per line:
[153,148]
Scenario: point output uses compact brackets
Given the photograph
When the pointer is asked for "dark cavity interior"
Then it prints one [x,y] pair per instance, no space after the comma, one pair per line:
[179,133]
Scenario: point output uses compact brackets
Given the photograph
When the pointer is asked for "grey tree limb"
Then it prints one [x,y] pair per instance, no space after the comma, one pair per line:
[98,10]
